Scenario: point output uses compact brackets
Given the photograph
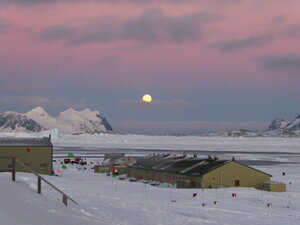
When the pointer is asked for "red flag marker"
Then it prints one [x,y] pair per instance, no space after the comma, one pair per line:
[28,149]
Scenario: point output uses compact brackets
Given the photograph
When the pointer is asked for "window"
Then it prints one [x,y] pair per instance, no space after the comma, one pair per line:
[43,165]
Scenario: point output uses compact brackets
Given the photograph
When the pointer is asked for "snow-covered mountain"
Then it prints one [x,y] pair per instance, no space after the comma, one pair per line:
[294,125]
[277,123]
[72,121]
[279,127]
[67,122]
[13,121]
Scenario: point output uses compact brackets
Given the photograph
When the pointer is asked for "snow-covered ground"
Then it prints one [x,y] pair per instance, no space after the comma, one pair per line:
[185,143]
[106,200]
[172,143]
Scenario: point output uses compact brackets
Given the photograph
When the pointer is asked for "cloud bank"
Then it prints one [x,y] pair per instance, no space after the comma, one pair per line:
[289,62]
[34,101]
[242,43]
[151,26]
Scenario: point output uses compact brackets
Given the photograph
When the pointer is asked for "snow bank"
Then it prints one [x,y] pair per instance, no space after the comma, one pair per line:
[168,143]
[54,134]
[20,204]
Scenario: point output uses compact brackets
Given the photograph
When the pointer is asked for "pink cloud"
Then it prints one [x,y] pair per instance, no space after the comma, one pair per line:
[168,53]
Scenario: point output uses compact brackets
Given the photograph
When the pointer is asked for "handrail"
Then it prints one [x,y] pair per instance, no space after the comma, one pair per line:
[65,196]
[40,178]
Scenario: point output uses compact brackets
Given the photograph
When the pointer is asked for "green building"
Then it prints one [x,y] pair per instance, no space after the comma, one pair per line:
[194,172]
[37,153]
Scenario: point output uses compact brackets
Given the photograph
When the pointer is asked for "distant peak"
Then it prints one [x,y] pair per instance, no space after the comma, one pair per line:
[278,119]
[39,108]
[38,111]
[277,123]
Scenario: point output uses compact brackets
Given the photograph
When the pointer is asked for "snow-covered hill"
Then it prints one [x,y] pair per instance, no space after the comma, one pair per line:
[20,204]
[72,121]
[239,133]
[13,121]
[294,125]
[277,123]
[67,122]
[279,127]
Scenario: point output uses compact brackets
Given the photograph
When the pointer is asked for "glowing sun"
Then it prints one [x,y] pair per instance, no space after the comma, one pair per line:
[147,98]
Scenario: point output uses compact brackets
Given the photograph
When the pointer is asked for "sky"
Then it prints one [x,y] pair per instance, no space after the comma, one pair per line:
[208,64]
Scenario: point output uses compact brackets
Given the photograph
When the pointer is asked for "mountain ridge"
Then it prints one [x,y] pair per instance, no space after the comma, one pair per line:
[69,121]
[13,121]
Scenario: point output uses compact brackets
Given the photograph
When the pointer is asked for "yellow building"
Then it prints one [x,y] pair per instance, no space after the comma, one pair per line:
[274,186]
[37,153]
[193,172]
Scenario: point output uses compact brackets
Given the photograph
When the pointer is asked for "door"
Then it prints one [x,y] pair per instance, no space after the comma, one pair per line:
[237,183]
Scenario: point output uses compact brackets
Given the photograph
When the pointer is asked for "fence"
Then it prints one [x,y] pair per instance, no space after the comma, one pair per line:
[39,178]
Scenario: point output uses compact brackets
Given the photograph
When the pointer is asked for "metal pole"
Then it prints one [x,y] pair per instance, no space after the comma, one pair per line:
[13,173]
[65,200]
[39,185]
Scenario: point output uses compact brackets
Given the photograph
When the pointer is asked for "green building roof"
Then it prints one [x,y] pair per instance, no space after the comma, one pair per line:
[191,166]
